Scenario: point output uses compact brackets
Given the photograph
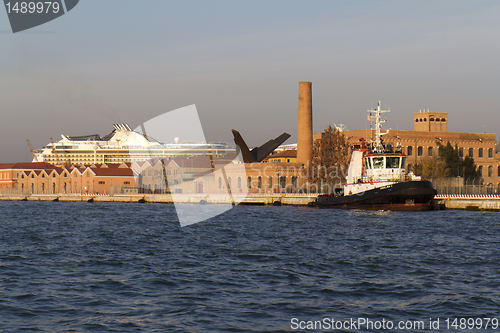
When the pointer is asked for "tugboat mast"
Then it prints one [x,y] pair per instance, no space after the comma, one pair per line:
[377,143]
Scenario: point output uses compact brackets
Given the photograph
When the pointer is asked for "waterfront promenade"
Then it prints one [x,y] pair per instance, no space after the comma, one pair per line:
[447,201]
[285,199]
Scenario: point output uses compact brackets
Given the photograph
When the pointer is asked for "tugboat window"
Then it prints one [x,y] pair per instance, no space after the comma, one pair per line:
[378,162]
[392,162]
[367,165]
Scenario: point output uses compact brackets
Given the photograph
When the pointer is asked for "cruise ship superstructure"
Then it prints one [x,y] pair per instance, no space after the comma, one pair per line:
[121,145]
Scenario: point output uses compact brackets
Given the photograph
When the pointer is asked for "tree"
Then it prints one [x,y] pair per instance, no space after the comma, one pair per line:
[451,158]
[431,167]
[330,158]
[449,164]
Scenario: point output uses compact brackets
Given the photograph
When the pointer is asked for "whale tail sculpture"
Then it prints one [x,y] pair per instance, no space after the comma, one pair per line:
[257,154]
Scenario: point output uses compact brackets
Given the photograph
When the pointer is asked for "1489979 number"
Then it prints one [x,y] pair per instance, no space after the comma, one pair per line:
[32,7]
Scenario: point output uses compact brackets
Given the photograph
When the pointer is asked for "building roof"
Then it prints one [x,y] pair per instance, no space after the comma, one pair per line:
[28,165]
[444,136]
[120,172]
[285,153]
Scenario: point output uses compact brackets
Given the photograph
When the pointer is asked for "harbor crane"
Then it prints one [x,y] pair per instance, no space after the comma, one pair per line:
[54,151]
[31,149]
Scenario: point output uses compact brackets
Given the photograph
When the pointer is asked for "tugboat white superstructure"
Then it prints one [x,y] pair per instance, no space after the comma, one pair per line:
[376,178]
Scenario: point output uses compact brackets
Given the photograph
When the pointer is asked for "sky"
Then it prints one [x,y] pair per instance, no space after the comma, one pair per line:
[240,62]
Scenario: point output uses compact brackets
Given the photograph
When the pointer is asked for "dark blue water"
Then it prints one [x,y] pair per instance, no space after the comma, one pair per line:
[82,267]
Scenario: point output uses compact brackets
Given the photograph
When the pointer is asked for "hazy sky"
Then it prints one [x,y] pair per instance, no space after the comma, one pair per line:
[110,61]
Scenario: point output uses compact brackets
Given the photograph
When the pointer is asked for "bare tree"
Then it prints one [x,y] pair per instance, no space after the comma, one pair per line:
[330,158]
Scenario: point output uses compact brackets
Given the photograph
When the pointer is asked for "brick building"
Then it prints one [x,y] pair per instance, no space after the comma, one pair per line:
[45,178]
[432,127]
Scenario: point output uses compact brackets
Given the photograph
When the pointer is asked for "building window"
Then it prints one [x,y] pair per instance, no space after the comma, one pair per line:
[480,171]
[22,176]
[239,183]
[270,181]
[32,176]
[419,151]
[259,182]
[480,154]
[460,152]
[471,152]
[294,181]
[126,183]
[100,183]
[499,171]
[490,152]
[443,120]
[409,150]
[249,182]
[490,171]
[282,181]
[429,151]
[416,120]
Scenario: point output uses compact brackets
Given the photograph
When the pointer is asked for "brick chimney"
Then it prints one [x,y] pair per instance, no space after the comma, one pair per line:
[304,126]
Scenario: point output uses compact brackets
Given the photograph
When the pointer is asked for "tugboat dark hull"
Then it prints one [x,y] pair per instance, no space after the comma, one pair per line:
[408,196]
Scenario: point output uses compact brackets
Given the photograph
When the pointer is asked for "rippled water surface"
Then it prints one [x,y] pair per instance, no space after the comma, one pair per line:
[80,267]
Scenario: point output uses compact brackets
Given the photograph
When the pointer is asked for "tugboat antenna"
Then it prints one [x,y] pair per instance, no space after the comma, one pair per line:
[377,142]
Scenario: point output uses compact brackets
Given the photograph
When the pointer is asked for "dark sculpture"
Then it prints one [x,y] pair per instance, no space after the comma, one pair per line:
[258,153]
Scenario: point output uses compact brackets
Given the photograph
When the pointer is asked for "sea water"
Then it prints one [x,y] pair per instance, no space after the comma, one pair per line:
[111,267]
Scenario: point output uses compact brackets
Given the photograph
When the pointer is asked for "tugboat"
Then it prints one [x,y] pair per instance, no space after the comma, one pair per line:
[376,178]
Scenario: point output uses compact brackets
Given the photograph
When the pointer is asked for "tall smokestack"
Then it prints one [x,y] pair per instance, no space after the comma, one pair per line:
[304,127]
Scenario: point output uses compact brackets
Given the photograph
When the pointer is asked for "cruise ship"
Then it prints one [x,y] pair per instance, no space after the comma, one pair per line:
[123,144]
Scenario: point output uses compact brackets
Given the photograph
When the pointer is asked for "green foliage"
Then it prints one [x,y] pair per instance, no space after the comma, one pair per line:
[449,164]
[431,167]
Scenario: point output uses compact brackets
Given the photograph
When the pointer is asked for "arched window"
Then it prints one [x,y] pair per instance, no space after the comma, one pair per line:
[443,120]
